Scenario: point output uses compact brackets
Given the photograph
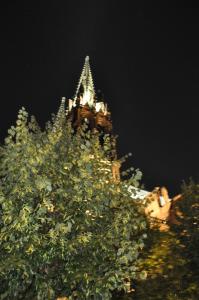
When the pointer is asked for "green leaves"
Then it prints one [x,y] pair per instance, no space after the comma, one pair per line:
[62,215]
[188,215]
[43,184]
[11,132]
[63,227]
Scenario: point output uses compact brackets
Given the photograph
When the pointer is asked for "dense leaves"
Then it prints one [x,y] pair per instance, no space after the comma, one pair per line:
[66,228]
[189,221]
[171,258]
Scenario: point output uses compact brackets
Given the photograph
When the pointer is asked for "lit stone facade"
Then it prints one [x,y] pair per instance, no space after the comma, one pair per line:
[86,106]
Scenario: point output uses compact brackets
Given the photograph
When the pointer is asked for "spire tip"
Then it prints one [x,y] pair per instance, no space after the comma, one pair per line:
[87,58]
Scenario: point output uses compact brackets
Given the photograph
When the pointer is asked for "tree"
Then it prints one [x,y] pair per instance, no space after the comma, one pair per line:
[66,228]
[171,258]
[189,220]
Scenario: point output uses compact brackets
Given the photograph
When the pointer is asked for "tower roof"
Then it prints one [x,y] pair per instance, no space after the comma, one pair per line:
[86,105]
[85,95]
[86,85]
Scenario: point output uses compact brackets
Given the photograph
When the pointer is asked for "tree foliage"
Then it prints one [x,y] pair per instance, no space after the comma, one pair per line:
[66,228]
[171,258]
[189,219]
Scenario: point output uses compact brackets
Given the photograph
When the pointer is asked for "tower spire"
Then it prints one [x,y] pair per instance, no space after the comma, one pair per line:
[86,106]
[86,85]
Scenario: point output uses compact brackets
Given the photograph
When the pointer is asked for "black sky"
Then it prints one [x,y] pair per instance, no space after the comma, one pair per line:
[145,59]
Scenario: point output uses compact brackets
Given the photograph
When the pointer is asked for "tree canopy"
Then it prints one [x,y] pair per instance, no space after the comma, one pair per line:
[66,228]
[171,258]
[189,229]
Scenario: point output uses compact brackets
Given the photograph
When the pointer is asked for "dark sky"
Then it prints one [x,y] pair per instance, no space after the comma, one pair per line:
[145,59]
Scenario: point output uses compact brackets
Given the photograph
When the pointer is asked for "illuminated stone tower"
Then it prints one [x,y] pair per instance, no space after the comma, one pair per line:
[87,106]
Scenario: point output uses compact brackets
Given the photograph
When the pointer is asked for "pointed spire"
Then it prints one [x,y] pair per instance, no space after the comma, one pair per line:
[60,115]
[86,83]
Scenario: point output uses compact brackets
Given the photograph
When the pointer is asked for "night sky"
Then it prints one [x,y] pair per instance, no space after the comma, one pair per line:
[144,58]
